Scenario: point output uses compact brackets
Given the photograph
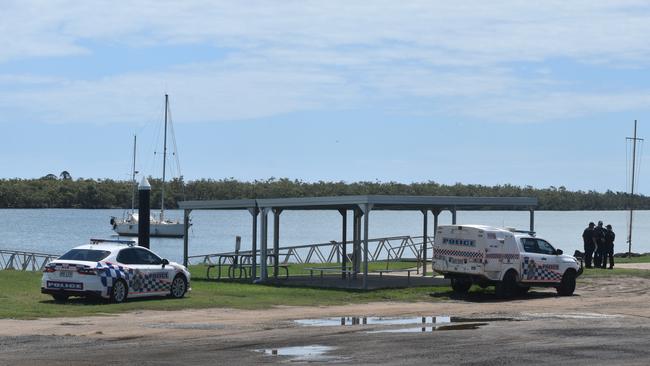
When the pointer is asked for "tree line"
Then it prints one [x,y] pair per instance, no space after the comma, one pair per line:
[52,192]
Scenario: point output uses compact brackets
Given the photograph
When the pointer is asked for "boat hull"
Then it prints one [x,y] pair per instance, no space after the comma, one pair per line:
[171,230]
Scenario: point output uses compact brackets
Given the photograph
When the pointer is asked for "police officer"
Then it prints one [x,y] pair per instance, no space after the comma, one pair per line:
[599,242]
[609,248]
[588,241]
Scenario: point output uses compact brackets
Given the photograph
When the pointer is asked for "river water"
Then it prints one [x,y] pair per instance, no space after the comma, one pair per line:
[57,230]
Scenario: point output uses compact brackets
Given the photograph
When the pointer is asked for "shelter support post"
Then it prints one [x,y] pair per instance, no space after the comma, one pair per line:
[276,241]
[344,239]
[254,212]
[356,243]
[366,219]
[532,219]
[425,238]
[264,236]
[186,237]
[435,222]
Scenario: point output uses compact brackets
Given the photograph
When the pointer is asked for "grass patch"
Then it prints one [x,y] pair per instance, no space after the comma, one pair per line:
[20,297]
[641,259]
[600,273]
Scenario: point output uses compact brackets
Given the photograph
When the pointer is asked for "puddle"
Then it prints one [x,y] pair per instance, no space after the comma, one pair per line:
[302,353]
[373,320]
[199,326]
[435,328]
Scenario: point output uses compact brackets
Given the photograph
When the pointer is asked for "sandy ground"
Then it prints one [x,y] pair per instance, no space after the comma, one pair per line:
[633,265]
[607,321]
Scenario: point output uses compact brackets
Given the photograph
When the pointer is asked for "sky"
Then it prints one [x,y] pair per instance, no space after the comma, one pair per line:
[502,92]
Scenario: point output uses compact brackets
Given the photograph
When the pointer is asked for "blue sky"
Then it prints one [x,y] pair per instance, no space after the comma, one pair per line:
[473,92]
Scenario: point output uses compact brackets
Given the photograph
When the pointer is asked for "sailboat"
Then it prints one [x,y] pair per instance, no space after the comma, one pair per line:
[160,226]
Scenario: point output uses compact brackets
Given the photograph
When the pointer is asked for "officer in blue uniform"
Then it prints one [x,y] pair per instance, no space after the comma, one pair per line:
[608,250]
[588,241]
[599,241]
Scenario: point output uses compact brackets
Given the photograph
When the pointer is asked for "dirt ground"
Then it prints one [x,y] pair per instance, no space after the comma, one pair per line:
[607,321]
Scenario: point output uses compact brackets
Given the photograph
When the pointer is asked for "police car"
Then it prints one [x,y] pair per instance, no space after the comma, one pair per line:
[511,260]
[113,270]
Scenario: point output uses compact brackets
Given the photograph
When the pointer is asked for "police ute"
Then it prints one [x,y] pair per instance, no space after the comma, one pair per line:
[513,261]
[113,270]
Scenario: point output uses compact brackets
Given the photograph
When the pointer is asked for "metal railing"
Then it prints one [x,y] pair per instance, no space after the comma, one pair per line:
[24,261]
[393,248]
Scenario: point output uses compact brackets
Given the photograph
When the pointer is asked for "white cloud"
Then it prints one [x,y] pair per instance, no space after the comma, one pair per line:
[502,31]
[287,56]
[538,107]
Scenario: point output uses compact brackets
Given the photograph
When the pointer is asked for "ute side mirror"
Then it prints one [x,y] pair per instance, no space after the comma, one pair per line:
[558,252]
[164,263]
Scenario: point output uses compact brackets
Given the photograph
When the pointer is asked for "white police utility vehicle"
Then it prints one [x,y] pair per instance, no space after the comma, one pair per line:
[114,270]
[511,260]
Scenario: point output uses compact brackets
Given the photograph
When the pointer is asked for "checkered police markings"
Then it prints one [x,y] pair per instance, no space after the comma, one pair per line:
[153,282]
[138,281]
[457,253]
[531,271]
[502,255]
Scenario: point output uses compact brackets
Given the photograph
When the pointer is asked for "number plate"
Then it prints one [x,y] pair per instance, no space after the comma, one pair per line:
[65,274]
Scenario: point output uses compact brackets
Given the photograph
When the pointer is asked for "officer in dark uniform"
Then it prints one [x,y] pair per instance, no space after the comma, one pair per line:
[588,240]
[609,248]
[599,240]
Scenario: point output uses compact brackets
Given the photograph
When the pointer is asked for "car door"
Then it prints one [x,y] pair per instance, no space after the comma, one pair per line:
[494,252]
[128,257]
[532,261]
[155,278]
[550,271]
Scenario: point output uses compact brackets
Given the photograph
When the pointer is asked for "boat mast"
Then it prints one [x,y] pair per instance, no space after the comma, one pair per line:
[133,172]
[162,194]
[629,235]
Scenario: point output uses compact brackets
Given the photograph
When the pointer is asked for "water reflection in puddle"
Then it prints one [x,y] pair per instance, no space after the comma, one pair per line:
[464,326]
[302,353]
[376,320]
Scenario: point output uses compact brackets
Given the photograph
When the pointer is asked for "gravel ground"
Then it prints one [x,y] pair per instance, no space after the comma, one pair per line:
[606,322]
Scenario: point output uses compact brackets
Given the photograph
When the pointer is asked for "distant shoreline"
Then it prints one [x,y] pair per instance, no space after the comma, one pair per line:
[52,192]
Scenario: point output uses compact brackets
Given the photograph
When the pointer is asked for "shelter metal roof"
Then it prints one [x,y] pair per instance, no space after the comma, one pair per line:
[241,204]
[378,202]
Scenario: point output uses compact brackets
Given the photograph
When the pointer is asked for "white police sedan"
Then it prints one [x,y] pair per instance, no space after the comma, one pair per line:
[114,270]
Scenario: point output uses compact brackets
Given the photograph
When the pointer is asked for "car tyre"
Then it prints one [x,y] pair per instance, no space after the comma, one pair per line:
[568,284]
[119,291]
[522,290]
[507,287]
[460,285]
[178,287]
[60,298]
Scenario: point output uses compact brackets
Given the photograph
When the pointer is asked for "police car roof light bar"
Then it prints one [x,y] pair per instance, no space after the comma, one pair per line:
[531,233]
[127,242]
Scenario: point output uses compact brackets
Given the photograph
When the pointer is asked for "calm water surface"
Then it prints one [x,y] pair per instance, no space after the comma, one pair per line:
[57,230]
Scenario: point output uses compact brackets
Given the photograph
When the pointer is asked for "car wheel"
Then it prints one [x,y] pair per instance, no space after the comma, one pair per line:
[179,287]
[119,292]
[60,298]
[522,290]
[508,286]
[460,285]
[568,284]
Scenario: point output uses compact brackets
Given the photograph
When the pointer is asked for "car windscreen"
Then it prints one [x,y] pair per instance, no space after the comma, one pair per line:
[89,255]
